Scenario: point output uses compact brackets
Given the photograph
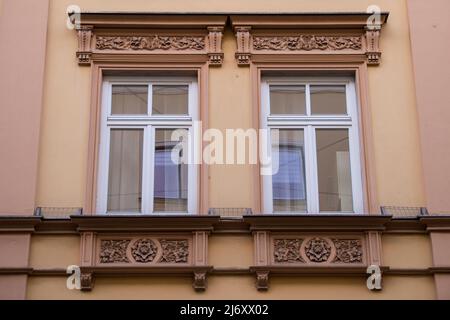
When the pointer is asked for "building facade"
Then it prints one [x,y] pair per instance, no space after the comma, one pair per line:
[346,98]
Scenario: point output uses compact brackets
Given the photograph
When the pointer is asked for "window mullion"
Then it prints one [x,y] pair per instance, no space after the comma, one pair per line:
[311,170]
[147,171]
[192,175]
[267,178]
[150,100]
[102,196]
[354,145]
[308,100]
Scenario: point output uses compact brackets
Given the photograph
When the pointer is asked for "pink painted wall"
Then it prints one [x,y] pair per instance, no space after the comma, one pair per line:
[23,35]
[430,34]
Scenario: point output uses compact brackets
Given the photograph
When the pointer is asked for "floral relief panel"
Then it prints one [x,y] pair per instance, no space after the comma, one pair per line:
[144,250]
[318,250]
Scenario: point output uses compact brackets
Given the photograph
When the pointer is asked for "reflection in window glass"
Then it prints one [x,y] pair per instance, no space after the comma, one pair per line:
[288,184]
[333,165]
[129,99]
[287,99]
[170,178]
[125,170]
[170,99]
[328,99]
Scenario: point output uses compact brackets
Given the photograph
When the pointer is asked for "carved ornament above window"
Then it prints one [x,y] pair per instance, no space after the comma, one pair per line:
[146,37]
[307,37]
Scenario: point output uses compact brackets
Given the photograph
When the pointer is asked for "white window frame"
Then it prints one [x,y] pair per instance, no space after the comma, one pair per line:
[149,123]
[309,123]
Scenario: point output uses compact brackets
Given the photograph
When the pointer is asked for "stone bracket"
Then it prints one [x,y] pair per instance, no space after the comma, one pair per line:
[215,52]
[243,38]
[373,51]
[85,44]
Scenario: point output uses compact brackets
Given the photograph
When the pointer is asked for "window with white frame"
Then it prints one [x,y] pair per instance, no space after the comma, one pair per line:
[316,167]
[144,122]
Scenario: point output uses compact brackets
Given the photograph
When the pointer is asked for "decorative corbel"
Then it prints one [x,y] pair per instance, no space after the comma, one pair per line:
[243,36]
[84,52]
[215,52]
[200,252]
[373,51]
[199,283]
[261,256]
[262,280]
[87,281]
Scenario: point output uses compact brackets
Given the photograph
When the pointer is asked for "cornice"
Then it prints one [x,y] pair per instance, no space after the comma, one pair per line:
[216,224]
[324,36]
[134,20]
[18,223]
[305,20]
[144,35]
[436,222]
[144,223]
[129,37]
[405,225]
[317,222]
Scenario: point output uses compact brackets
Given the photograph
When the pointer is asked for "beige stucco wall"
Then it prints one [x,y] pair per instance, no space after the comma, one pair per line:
[428,22]
[54,251]
[407,251]
[21,64]
[63,141]
[235,287]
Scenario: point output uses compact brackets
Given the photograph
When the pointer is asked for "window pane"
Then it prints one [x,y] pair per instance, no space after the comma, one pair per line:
[287,99]
[333,164]
[170,99]
[129,99]
[328,100]
[170,178]
[288,184]
[125,170]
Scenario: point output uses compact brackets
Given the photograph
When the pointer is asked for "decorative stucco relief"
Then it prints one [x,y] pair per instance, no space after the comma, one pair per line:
[307,43]
[288,250]
[348,251]
[155,42]
[144,250]
[318,250]
[112,251]
[174,251]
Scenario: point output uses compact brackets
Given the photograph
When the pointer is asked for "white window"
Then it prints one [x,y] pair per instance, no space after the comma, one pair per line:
[319,168]
[137,173]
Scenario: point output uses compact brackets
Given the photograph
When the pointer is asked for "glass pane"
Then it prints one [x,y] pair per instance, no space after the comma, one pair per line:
[125,170]
[328,100]
[129,99]
[170,99]
[288,184]
[333,164]
[170,178]
[287,99]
